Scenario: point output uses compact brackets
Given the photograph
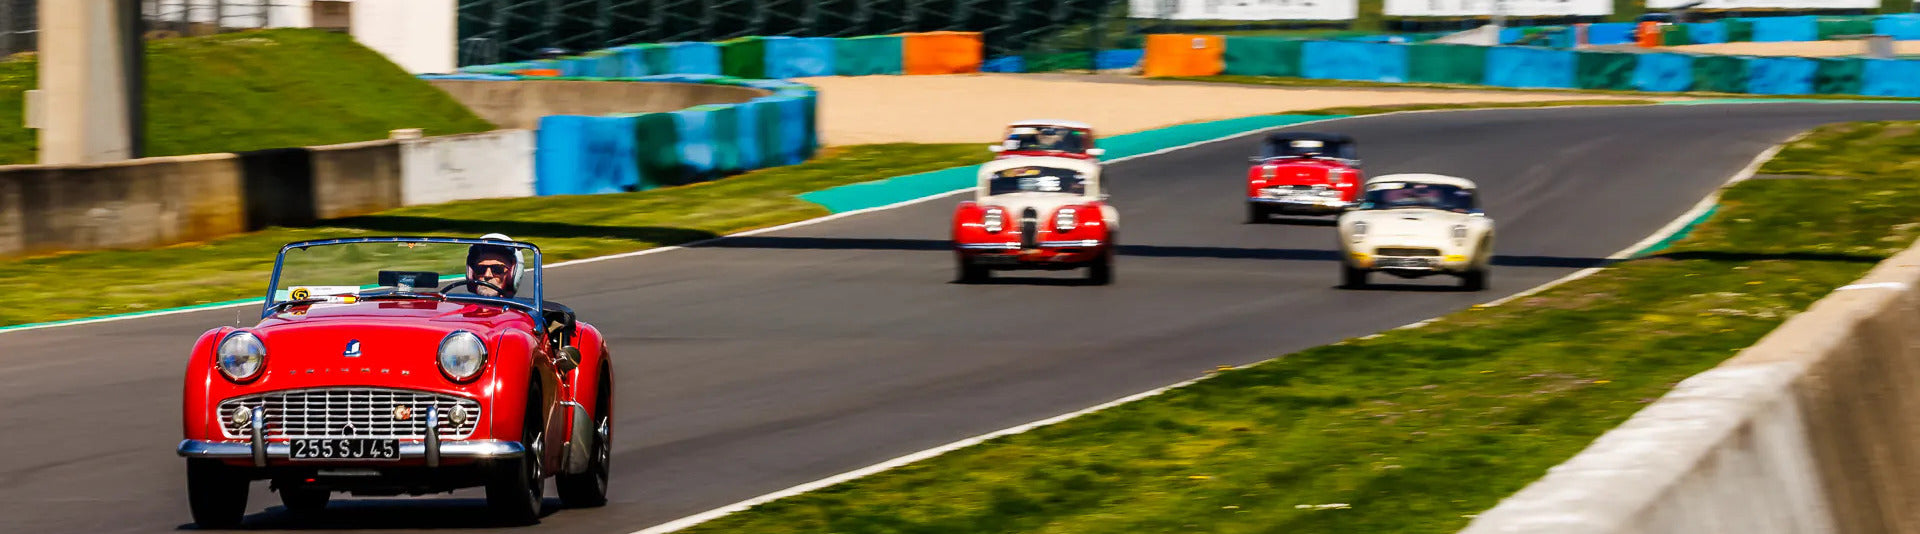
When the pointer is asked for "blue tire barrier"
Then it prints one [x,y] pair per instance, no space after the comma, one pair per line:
[1346,60]
[1118,59]
[580,155]
[696,144]
[1781,29]
[1901,26]
[1004,64]
[1890,77]
[747,134]
[1780,75]
[1663,73]
[1706,32]
[799,57]
[694,58]
[1516,66]
[1609,33]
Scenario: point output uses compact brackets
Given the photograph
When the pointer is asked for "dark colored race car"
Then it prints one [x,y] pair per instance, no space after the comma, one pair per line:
[1303,173]
[370,373]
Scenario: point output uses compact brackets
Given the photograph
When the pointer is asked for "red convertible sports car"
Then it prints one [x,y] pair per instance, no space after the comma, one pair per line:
[1303,173]
[369,373]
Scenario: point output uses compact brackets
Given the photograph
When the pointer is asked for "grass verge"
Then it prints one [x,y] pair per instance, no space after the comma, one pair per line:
[258,89]
[1416,430]
[565,227]
[1314,82]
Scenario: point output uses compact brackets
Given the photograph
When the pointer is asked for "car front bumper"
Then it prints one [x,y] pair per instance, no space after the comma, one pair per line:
[472,449]
[1303,202]
[1047,254]
[1448,263]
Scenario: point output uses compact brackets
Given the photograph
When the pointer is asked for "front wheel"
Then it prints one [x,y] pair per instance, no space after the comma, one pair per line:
[967,272]
[1100,273]
[216,493]
[1256,214]
[517,486]
[1474,280]
[1352,278]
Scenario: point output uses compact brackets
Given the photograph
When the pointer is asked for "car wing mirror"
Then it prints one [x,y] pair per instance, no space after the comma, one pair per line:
[996,148]
[1096,151]
[1254,159]
[569,359]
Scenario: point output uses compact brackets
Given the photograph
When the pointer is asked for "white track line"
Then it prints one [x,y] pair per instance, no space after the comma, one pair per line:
[1673,226]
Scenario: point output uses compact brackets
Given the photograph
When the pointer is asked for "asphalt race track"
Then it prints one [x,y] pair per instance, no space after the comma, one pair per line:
[758,363]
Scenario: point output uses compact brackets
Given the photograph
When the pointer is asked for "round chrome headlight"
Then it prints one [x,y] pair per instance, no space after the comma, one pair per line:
[462,356]
[241,356]
[993,221]
[1065,220]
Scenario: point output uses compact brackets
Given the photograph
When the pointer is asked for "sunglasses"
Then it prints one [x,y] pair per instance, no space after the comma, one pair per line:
[492,268]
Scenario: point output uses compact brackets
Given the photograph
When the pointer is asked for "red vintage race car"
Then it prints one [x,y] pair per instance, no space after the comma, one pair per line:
[1067,139]
[1303,173]
[369,373]
[1036,212]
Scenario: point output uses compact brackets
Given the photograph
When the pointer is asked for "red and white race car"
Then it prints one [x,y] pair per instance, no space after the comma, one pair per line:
[1067,139]
[1036,212]
[1303,173]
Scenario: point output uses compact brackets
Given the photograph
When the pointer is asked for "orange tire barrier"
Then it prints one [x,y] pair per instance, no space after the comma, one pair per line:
[538,72]
[940,52]
[1184,55]
[1647,34]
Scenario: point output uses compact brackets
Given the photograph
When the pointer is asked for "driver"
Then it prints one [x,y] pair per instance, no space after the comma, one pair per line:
[494,264]
[1051,139]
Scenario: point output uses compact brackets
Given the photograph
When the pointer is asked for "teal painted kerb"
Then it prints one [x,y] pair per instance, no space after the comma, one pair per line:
[895,190]
[1677,236]
[1782,100]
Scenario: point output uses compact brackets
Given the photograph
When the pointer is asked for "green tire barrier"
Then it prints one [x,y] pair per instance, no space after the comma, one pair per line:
[745,57]
[1444,63]
[1838,76]
[1827,27]
[1262,56]
[1738,30]
[658,151]
[1720,74]
[1057,61]
[867,56]
[1604,70]
[1675,35]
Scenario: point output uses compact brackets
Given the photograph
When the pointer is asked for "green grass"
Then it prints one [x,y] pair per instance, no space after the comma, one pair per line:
[256,90]
[1414,430]
[1313,82]
[565,227]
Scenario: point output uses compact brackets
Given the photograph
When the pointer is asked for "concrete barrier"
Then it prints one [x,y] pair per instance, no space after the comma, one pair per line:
[496,164]
[1811,430]
[356,178]
[129,204]
[520,104]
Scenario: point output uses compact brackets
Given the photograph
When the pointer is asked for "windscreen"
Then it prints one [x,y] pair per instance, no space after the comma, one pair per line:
[399,269]
[1396,195]
[1061,139]
[1037,179]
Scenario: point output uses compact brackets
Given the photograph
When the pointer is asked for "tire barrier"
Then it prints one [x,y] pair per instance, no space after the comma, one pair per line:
[941,52]
[1566,64]
[868,56]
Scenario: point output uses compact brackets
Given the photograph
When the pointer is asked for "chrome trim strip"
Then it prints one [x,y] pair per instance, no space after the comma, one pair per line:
[989,246]
[192,448]
[1078,243]
[1331,203]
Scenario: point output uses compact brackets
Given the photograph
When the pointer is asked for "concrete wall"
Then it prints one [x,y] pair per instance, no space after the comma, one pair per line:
[1814,429]
[520,104]
[135,203]
[356,178]
[497,164]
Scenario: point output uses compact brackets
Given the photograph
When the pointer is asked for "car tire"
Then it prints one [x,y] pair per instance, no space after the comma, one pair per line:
[216,493]
[589,489]
[1474,280]
[301,500]
[969,273]
[1256,214]
[516,488]
[1100,273]
[1352,278]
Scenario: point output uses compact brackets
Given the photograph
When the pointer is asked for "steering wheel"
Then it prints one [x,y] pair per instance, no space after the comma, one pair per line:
[450,287]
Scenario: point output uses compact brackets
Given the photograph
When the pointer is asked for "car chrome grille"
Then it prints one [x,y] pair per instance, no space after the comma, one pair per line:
[350,412]
[1402,251]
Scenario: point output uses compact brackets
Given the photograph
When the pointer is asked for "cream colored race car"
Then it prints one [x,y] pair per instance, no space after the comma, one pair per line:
[1416,225]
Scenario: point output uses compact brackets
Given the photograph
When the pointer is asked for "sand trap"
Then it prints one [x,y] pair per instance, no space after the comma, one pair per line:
[971,108]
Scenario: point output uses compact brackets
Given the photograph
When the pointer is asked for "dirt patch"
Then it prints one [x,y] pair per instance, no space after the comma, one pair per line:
[970,108]
[1797,48]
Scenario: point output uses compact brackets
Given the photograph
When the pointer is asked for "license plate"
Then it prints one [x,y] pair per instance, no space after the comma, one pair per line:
[345,449]
[1405,262]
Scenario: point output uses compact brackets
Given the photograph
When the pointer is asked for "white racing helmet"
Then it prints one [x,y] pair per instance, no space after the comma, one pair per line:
[514,271]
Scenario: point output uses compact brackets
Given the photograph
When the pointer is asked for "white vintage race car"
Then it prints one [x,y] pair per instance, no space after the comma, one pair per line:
[1416,225]
[1036,213]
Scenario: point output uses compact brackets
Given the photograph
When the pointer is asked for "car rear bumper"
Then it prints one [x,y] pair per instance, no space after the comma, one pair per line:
[1302,203]
[1065,253]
